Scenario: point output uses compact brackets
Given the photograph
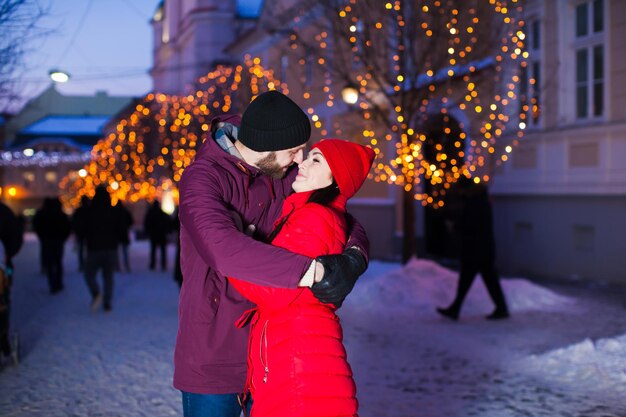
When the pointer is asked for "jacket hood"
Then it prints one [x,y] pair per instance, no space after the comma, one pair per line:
[210,150]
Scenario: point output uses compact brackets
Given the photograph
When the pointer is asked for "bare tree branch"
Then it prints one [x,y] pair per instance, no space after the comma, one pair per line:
[18,27]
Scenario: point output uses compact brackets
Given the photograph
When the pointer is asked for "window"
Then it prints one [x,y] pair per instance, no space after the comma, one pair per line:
[589,59]
[51,176]
[583,155]
[530,77]
[29,179]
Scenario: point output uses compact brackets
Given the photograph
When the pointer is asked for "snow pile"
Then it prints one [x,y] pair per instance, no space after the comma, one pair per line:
[421,285]
[589,365]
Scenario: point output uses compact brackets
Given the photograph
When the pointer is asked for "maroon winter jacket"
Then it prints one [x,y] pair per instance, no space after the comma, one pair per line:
[220,195]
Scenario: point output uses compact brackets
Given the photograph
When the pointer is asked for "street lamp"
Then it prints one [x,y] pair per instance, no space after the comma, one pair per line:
[59,76]
[350,94]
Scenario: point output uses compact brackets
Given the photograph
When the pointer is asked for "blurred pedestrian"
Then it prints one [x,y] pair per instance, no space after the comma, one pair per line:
[11,235]
[475,228]
[157,226]
[79,233]
[126,222]
[178,272]
[52,227]
[103,230]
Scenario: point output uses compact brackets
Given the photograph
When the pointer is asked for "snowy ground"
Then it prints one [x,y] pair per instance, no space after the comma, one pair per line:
[563,352]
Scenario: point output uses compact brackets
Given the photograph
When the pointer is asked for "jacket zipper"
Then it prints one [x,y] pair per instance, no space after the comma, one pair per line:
[263,343]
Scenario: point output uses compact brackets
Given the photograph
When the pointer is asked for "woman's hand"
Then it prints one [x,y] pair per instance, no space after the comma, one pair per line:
[313,275]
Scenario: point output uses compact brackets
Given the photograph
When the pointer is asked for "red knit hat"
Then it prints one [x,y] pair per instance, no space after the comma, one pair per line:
[349,163]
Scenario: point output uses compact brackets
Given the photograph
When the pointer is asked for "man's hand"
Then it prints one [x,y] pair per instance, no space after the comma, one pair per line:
[340,274]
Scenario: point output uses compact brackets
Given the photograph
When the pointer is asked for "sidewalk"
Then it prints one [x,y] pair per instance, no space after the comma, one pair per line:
[79,363]
[554,357]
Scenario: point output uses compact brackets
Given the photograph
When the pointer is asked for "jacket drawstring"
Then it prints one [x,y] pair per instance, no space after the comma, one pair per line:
[270,183]
[246,317]
[247,182]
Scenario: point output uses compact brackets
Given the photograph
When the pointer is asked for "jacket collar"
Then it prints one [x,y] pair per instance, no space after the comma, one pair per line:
[212,150]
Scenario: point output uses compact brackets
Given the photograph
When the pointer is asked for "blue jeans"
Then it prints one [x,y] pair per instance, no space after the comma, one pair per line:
[212,405]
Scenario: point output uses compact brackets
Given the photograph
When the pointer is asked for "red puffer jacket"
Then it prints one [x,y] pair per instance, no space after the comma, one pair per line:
[297,363]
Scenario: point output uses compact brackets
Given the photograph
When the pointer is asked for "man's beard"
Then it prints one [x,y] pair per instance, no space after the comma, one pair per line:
[268,165]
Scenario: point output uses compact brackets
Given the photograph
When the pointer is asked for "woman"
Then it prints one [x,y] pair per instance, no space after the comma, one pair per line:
[296,359]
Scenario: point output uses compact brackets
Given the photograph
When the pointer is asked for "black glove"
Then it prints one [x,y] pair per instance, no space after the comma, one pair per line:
[340,275]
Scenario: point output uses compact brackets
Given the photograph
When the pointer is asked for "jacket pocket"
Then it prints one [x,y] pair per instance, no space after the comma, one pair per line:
[207,306]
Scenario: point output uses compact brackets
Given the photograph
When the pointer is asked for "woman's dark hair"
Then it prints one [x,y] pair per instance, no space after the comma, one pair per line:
[324,196]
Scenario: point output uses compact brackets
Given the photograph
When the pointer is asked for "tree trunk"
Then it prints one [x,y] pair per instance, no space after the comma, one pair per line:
[409,243]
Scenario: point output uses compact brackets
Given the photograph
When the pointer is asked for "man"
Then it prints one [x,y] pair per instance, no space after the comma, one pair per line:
[78,222]
[102,230]
[229,199]
[52,227]
[157,224]
[125,219]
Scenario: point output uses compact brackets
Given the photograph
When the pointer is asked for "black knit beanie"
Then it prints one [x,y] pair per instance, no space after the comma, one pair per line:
[273,122]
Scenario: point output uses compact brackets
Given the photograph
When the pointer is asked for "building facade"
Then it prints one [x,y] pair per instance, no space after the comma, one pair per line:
[560,201]
[49,138]
[190,36]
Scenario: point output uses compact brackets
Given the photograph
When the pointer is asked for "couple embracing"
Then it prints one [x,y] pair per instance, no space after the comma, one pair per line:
[268,253]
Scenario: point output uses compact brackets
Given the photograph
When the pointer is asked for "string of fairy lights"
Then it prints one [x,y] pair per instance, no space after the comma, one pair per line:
[405,164]
[149,149]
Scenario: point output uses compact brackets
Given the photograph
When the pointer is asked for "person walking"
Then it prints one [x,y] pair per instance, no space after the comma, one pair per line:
[297,364]
[125,219]
[157,225]
[178,272]
[12,237]
[79,233]
[52,227]
[230,197]
[475,228]
[103,230]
